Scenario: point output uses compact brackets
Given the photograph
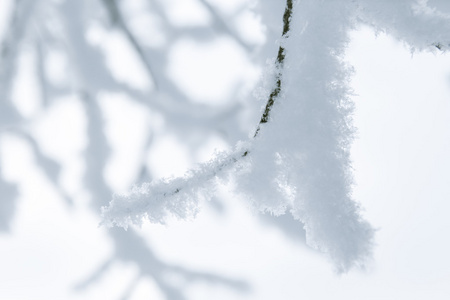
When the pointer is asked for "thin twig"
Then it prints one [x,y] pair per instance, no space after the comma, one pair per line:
[273,95]
[117,19]
[10,45]
[279,65]
[221,24]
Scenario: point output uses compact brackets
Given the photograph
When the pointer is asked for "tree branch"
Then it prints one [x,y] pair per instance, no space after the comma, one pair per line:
[279,65]
[171,196]
[117,19]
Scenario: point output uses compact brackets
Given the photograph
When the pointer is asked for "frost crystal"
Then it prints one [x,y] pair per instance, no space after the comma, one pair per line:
[298,160]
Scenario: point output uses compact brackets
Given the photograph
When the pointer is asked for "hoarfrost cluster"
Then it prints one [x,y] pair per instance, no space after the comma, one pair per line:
[298,160]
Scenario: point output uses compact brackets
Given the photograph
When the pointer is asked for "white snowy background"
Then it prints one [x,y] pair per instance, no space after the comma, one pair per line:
[401,160]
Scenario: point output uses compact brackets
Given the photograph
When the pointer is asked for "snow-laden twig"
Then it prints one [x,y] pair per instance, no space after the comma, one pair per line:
[279,65]
[158,200]
[299,161]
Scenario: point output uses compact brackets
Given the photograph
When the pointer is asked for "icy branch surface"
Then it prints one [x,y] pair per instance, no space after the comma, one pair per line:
[158,200]
[299,159]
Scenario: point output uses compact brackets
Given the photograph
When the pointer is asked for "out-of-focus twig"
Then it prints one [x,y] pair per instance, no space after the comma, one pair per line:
[219,23]
[117,19]
[9,47]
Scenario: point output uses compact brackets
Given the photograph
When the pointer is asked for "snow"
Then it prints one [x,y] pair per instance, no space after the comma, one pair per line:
[300,160]
[371,144]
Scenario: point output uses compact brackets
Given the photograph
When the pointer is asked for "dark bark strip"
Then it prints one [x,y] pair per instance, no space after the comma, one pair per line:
[279,64]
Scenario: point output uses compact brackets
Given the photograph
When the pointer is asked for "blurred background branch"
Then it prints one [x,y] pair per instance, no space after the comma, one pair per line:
[102,94]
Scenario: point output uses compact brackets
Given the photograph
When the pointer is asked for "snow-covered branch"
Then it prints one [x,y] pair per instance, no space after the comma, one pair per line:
[158,200]
[300,161]
[417,23]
